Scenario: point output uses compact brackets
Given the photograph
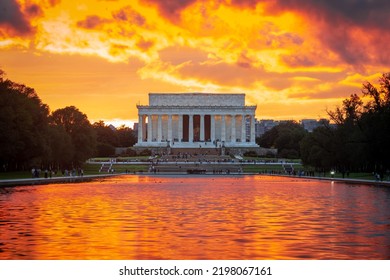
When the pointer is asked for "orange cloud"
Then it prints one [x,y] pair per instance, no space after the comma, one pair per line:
[92,22]
[14,20]
[279,52]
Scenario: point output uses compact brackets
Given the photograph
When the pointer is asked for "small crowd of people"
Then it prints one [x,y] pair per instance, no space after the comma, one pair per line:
[49,173]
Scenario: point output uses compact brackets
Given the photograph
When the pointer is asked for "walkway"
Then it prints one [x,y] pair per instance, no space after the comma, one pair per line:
[44,181]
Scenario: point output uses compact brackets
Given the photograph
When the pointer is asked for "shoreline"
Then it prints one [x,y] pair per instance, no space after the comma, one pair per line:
[53,180]
[87,178]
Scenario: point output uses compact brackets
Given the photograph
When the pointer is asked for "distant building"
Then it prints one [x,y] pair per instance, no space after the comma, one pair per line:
[311,124]
[262,126]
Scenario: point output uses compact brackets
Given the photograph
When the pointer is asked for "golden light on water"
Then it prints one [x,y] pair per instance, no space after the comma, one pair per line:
[206,217]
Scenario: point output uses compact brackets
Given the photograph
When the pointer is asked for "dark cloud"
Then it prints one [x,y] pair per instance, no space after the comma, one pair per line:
[245,3]
[298,60]
[128,14]
[13,19]
[356,30]
[369,13]
[54,2]
[338,21]
[283,40]
[170,8]
[144,44]
[91,22]
[34,10]
[244,61]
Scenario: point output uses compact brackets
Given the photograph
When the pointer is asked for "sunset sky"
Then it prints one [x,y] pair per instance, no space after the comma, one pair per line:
[293,58]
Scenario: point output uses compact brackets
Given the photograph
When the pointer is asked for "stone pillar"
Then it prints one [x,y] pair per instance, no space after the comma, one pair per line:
[201,128]
[180,128]
[233,124]
[190,128]
[150,128]
[223,128]
[212,128]
[159,128]
[243,129]
[140,127]
[170,129]
[253,134]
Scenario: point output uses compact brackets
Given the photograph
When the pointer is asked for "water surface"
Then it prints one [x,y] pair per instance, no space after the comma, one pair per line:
[198,217]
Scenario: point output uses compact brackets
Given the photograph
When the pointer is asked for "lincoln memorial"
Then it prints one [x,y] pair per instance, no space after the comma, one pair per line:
[196,120]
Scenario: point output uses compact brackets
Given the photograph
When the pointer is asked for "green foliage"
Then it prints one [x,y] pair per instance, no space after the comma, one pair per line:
[360,140]
[285,137]
[126,137]
[109,137]
[33,138]
[105,150]
[130,152]
[78,127]
[250,154]
[23,123]
[145,152]
[106,134]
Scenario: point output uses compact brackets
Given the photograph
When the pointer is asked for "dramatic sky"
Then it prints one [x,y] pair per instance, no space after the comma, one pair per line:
[293,58]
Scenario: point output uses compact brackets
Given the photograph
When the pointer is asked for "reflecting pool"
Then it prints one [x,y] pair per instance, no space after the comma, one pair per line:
[195,217]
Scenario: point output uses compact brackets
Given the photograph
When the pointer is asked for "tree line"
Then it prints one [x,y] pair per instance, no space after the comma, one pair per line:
[32,136]
[358,140]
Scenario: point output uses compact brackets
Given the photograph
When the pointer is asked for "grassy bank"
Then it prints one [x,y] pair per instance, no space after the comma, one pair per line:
[89,169]
[93,169]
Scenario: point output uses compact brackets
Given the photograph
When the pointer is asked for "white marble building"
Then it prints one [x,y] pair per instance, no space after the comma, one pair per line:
[196,120]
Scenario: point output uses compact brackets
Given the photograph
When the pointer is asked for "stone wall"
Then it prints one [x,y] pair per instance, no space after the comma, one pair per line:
[196,99]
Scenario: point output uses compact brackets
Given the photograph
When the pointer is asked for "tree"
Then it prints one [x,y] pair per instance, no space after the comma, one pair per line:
[78,127]
[361,138]
[126,136]
[107,139]
[61,148]
[105,134]
[285,137]
[23,121]
[317,148]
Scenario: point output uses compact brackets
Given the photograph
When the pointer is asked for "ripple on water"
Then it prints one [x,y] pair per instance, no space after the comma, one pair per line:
[140,217]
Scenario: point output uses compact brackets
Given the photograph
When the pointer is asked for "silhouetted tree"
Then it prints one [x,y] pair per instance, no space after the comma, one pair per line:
[285,137]
[23,126]
[78,127]
[126,136]
[360,140]
[107,139]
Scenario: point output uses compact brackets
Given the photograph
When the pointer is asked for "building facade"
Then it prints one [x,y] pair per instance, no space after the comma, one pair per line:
[196,120]
[311,124]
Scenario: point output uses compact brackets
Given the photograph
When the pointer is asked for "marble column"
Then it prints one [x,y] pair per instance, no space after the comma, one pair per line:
[233,124]
[191,128]
[253,134]
[223,128]
[243,129]
[150,128]
[170,129]
[180,128]
[159,128]
[212,128]
[140,128]
[201,128]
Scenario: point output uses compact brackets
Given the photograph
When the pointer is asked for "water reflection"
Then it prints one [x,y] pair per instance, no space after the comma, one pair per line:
[202,217]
